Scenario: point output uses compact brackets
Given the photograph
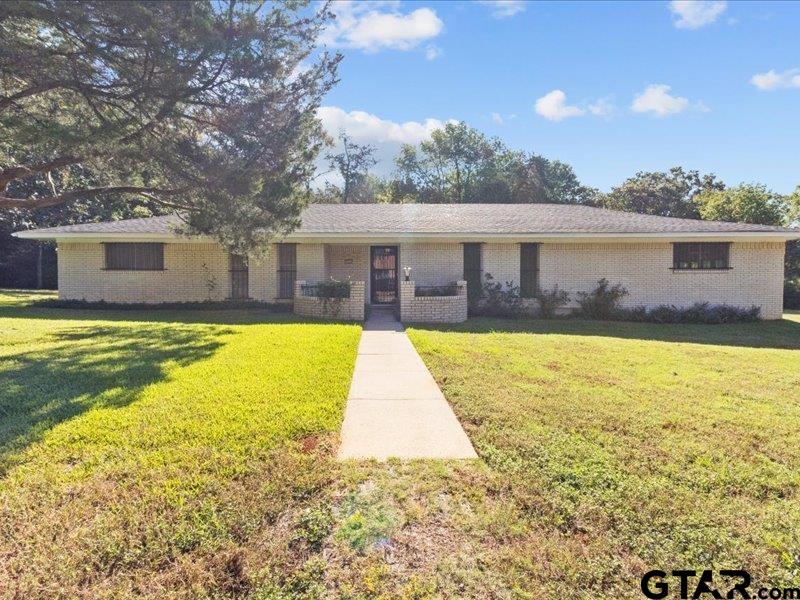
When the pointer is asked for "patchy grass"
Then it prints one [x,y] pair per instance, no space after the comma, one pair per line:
[164,453]
[610,449]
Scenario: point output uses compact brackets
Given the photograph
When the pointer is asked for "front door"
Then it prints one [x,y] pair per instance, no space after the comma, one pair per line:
[383,274]
[239,277]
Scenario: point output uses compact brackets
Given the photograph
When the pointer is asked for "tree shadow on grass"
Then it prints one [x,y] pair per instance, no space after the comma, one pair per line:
[783,334]
[85,367]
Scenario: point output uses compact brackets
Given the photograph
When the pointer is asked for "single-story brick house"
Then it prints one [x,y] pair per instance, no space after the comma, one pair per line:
[660,260]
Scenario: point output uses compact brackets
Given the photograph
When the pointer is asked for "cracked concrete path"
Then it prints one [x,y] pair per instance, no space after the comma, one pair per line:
[395,409]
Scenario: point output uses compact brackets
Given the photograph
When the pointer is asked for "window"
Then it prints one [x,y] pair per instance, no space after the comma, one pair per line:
[473,274]
[287,269]
[528,270]
[134,257]
[240,277]
[705,255]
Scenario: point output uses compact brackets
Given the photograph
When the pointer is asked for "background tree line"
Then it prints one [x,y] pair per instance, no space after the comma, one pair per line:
[461,165]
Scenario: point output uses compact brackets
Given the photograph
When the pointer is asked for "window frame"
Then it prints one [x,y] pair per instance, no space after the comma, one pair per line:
[472,272]
[132,265]
[286,273]
[529,274]
[707,256]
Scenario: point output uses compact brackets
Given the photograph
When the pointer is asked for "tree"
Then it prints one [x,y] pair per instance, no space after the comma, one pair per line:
[745,203]
[793,205]
[559,184]
[793,248]
[352,163]
[29,264]
[446,168]
[201,107]
[669,194]
[460,164]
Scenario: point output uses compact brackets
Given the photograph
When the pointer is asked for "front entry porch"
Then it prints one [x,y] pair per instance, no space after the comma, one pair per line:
[370,275]
[376,265]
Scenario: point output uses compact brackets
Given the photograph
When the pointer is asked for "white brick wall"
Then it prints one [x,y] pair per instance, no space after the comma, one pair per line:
[190,272]
[346,309]
[344,262]
[311,262]
[756,276]
[432,309]
[433,264]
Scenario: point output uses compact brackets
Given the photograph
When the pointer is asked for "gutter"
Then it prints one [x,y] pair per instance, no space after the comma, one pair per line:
[378,237]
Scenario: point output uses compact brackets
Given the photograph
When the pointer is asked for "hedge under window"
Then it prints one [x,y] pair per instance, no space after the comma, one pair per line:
[134,256]
[528,269]
[704,255]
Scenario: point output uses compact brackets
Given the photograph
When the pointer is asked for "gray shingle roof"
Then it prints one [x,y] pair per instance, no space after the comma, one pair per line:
[451,219]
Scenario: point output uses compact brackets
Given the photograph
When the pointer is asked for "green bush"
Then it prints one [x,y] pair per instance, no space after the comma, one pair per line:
[603,301]
[498,300]
[333,289]
[701,313]
[205,305]
[550,301]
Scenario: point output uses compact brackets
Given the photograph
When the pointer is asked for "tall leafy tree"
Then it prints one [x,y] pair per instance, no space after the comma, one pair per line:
[460,164]
[352,163]
[755,203]
[745,203]
[793,251]
[669,194]
[205,107]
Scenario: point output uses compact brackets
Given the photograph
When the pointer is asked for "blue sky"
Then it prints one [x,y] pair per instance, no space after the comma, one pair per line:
[611,88]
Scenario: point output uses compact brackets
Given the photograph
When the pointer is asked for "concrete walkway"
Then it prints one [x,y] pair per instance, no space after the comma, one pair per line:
[395,409]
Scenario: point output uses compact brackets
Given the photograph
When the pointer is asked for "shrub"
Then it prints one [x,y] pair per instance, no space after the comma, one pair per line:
[498,300]
[424,291]
[550,301]
[603,301]
[332,293]
[205,305]
[333,289]
[701,313]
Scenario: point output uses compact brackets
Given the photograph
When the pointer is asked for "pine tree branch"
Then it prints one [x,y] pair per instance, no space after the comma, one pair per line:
[148,192]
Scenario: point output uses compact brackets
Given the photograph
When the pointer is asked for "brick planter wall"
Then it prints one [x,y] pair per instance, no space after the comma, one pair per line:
[346,309]
[432,309]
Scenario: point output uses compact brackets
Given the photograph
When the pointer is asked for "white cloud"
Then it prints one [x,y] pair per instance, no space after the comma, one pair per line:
[656,99]
[497,119]
[772,80]
[553,107]
[374,26]
[502,9]
[433,52]
[693,14]
[366,128]
[602,107]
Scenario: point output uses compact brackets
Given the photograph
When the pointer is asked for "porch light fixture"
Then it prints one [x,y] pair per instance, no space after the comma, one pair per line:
[407,273]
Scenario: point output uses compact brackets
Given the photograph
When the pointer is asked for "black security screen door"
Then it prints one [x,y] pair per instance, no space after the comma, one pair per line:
[383,274]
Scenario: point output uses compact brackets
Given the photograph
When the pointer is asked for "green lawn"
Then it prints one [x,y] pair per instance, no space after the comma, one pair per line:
[162,452]
[614,448]
[190,454]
